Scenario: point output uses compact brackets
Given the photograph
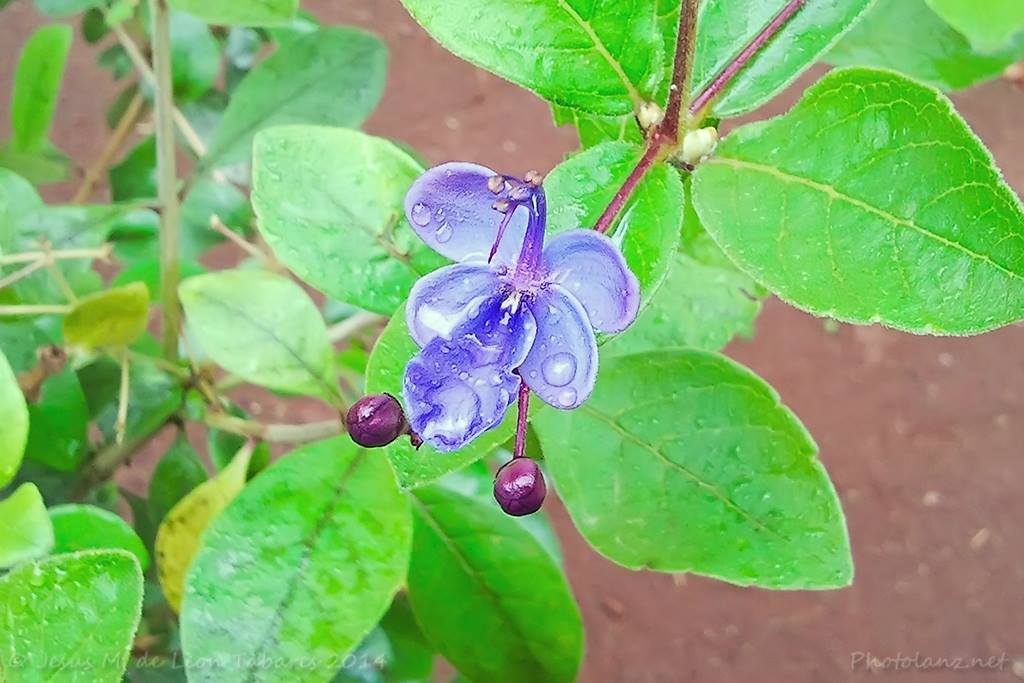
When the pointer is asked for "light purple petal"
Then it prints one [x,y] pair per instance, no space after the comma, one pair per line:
[451,208]
[562,364]
[456,389]
[592,269]
[446,299]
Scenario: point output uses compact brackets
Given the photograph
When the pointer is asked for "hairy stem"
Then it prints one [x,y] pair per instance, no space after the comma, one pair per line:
[167,179]
[281,433]
[682,68]
[521,420]
[604,222]
[746,54]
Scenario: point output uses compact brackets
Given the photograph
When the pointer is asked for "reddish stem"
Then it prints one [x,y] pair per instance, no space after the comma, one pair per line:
[604,222]
[753,47]
[679,89]
[524,404]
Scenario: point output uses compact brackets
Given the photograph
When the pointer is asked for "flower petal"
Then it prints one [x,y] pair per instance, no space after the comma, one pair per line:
[448,298]
[451,208]
[592,268]
[456,389]
[562,364]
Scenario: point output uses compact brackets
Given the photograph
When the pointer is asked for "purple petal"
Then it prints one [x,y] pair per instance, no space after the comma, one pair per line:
[456,389]
[562,364]
[447,299]
[451,208]
[592,268]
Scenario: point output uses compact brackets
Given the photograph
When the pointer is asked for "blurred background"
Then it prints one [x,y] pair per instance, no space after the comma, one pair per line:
[922,436]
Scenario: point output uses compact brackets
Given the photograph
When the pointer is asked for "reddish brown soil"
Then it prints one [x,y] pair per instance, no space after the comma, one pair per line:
[923,436]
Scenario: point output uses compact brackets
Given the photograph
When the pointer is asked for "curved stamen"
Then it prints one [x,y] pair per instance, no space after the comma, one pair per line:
[523,193]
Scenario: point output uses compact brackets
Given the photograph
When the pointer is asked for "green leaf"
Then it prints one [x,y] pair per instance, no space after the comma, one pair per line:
[58,422]
[240,12]
[153,397]
[297,569]
[724,28]
[989,27]
[115,317]
[412,658]
[86,527]
[207,198]
[180,533]
[339,227]
[175,476]
[221,446]
[581,187]
[833,234]
[36,87]
[195,57]
[262,327]
[594,129]
[70,617]
[17,199]
[907,36]
[147,271]
[14,418]
[487,595]
[135,176]
[392,352]
[65,8]
[686,461]
[43,166]
[601,57]
[333,77]
[28,533]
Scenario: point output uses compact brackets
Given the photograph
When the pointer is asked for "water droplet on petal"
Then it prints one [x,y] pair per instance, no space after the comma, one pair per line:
[420,214]
[559,370]
[567,397]
[443,233]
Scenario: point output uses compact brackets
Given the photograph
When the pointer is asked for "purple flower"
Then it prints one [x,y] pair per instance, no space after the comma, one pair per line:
[511,309]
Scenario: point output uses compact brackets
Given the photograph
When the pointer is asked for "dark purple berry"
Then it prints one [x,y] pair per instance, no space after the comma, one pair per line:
[376,420]
[519,487]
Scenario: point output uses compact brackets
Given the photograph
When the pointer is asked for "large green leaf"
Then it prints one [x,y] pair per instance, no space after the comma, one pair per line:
[27,532]
[581,187]
[872,202]
[36,87]
[333,77]
[14,418]
[686,461]
[85,527]
[906,35]
[297,569]
[70,618]
[989,26]
[593,129]
[726,26]
[17,199]
[488,595]
[240,12]
[604,57]
[58,423]
[262,327]
[113,317]
[330,205]
[415,467]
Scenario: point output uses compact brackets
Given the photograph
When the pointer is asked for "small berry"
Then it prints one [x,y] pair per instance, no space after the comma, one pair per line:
[519,487]
[376,420]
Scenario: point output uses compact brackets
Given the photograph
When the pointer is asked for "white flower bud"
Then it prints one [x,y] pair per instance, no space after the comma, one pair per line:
[649,115]
[698,144]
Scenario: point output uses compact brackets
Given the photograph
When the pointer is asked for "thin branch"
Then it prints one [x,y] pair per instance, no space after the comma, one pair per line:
[682,67]
[217,225]
[279,433]
[102,252]
[604,222]
[167,179]
[35,309]
[353,324]
[121,425]
[121,131]
[746,54]
[23,273]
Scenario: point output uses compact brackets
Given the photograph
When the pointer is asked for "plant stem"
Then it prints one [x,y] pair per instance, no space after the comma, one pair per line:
[117,138]
[522,417]
[681,68]
[167,180]
[666,132]
[351,325]
[37,309]
[23,272]
[746,54]
[60,254]
[281,433]
[121,425]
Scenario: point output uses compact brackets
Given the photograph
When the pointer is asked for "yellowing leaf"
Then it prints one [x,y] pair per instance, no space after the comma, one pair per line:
[14,418]
[115,317]
[177,539]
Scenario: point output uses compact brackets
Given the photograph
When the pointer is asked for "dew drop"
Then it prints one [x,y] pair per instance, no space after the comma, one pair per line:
[443,233]
[567,397]
[559,370]
[420,214]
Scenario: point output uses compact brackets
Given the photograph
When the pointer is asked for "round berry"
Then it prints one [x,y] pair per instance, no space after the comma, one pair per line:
[376,420]
[519,487]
